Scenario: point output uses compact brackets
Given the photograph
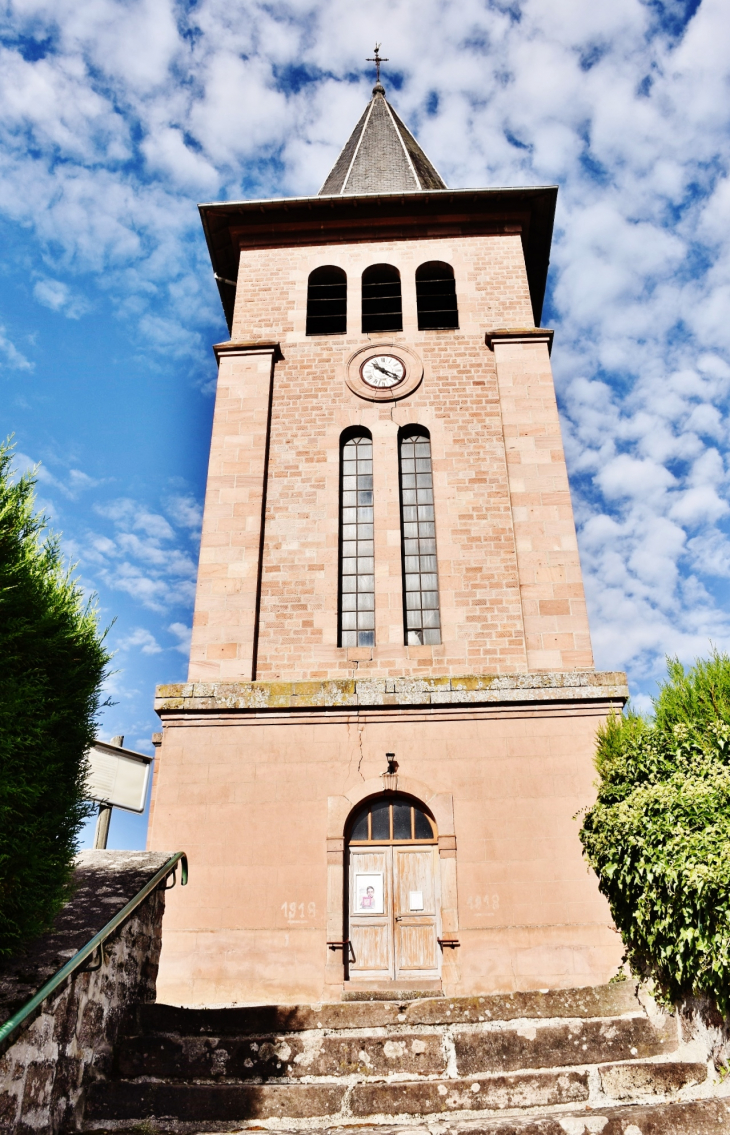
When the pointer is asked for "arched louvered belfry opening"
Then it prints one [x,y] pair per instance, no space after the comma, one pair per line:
[436,296]
[382,305]
[357,565]
[327,301]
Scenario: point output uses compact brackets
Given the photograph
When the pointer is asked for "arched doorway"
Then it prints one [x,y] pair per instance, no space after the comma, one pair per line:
[393,894]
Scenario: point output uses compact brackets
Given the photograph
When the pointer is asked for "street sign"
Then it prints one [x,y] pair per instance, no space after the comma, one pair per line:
[118,777]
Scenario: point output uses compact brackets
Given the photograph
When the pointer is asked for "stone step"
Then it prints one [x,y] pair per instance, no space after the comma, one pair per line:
[315,1054]
[134,1101]
[524,1089]
[377,991]
[591,1001]
[559,1045]
[703,1117]
[293,1056]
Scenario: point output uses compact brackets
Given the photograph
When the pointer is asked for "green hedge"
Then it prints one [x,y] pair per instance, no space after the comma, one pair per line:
[659,835]
[53,665]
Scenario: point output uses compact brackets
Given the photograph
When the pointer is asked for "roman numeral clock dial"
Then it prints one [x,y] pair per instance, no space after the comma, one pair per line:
[383,372]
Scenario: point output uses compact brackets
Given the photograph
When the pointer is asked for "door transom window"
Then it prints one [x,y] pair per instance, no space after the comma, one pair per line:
[393,819]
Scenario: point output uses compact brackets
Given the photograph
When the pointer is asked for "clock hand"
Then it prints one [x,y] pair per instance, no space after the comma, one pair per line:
[384,370]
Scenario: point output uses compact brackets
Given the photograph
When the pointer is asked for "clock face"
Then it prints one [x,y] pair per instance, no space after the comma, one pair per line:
[383,371]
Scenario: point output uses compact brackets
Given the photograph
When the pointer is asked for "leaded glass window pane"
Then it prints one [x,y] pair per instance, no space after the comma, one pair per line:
[423,828]
[360,827]
[357,565]
[402,821]
[380,820]
[420,571]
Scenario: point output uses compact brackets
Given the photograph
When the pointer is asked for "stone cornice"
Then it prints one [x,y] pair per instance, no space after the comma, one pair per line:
[254,347]
[346,693]
[520,335]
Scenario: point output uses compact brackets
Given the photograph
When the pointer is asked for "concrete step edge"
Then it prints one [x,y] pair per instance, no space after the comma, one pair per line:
[411,1053]
[529,1091]
[695,1117]
[661,1064]
[582,1002]
[394,1028]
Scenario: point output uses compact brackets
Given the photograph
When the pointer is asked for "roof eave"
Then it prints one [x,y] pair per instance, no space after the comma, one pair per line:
[536,242]
[494,191]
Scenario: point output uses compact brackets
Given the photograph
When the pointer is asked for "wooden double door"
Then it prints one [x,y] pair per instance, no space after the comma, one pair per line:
[394,901]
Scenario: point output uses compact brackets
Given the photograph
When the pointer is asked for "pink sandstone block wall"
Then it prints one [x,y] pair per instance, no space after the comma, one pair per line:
[223,622]
[510,587]
[551,585]
[246,796]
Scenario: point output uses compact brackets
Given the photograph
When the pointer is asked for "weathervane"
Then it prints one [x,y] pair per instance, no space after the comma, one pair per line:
[377,61]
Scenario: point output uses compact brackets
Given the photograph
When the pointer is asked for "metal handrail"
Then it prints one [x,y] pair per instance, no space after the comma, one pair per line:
[75,963]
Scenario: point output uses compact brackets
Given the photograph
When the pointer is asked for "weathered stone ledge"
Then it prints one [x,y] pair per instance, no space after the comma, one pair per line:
[343,693]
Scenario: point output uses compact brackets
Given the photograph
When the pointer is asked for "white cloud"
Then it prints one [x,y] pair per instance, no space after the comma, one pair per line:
[14,358]
[626,476]
[186,512]
[129,514]
[151,589]
[137,106]
[70,484]
[183,634]
[143,555]
[167,154]
[697,505]
[142,639]
[79,480]
[59,297]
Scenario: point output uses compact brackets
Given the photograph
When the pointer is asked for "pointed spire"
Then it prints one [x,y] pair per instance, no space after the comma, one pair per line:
[381,155]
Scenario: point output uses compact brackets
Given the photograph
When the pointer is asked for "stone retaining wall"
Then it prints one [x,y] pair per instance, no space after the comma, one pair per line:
[44,1071]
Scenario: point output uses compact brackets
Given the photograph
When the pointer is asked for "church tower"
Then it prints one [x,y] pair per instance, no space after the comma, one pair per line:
[390,715]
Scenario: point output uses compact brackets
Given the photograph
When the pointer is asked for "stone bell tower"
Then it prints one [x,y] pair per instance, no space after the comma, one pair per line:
[389,720]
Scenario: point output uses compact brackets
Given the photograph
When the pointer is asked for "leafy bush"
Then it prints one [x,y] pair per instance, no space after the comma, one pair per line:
[659,835]
[53,664]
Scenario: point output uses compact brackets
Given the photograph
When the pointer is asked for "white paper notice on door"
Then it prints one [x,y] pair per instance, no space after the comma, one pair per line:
[415,900]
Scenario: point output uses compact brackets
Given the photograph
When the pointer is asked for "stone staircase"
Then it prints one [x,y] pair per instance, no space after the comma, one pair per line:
[555,1063]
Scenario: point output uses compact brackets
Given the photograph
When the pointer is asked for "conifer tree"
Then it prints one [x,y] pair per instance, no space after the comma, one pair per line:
[52,665]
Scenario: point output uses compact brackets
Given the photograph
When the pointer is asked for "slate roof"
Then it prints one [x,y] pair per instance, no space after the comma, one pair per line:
[381,156]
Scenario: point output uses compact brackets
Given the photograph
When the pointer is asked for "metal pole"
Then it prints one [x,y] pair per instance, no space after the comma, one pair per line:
[101,835]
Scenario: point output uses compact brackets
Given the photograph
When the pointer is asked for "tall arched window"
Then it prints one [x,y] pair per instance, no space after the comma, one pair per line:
[327,301]
[420,570]
[382,308]
[357,569]
[436,296]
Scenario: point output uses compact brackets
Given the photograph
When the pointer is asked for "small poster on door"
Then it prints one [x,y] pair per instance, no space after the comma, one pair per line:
[415,900]
[369,894]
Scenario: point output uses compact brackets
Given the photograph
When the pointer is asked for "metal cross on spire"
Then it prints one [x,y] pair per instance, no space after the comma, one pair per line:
[377,61]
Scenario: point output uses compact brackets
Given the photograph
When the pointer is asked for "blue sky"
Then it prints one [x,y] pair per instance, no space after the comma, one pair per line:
[116,118]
